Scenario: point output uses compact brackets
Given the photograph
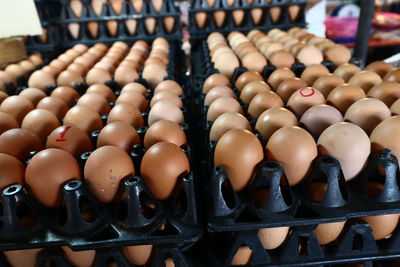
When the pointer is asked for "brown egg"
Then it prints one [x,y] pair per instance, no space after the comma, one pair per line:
[164,131]
[295,149]
[33,94]
[97,75]
[238,151]
[244,254]
[66,94]
[41,79]
[278,76]
[254,61]
[282,59]
[268,49]
[27,65]
[54,105]
[11,171]
[382,226]
[168,96]
[365,79]
[59,65]
[78,68]
[81,48]
[227,69]
[336,140]
[312,72]
[273,119]
[343,96]
[216,92]
[47,172]
[337,54]
[309,55]
[84,118]
[317,118]
[84,258]
[165,110]
[288,86]
[226,122]
[393,76]
[17,107]
[251,89]
[326,83]
[3,96]
[379,67]
[328,232]
[264,101]
[133,98]
[172,163]
[154,74]
[7,122]
[222,105]
[169,85]
[215,80]
[16,70]
[395,108]
[40,122]
[383,136]
[367,113]
[23,257]
[388,92]
[124,75]
[126,113]
[272,238]
[19,142]
[118,134]
[6,77]
[325,44]
[51,70]
[104,171]
[69,78]
[246,77]
[346,71]
[303,99]
[138,255]
[95,102]
[136,87]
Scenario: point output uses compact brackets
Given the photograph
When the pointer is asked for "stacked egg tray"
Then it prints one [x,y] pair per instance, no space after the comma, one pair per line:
[172,221]
[128,13]
[204,19]
[234,219]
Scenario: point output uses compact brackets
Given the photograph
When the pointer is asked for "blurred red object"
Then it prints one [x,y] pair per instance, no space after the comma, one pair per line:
[341,29]
[386,21]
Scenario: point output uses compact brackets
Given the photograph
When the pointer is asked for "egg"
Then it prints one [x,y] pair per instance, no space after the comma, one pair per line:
[388,92]
[312,72]
[282,58]
[154,74]
[168,96]
[271,238]
[243,255]
[7,122]
[227,69]
[383,136]
[247,77]
[226,122]
[84,118]
[317,118]
[19,143]
[222,105]
[54,105]
[278,76]
[164,131]
[264,101]
[167,111]
[367,113]
[71,139]
[365,79]
[41,122]
[134,98]
[16,70]
[170,86]
[136,87]
[216,92]
[172,164]
[84,258]
[251,89]
[288,86]
[238,151]
[97,75]
[343,96]
[326,83]
[47,172]
[336,140]
[66,94]
[395,108]
[309,55]
[7,77]
[254,61]
[104,171]
[11,171]
[346,71]
[95,102]
[328,232]
[273,119]
[41,80]
[382,226]
[17,107]
[392,76]
[118,134]
[23,257]
[295,149]
[138,255]
[27,65]
[124,75]
[337,54]
[33,94]
[126,113]
[303,99]
[78,68]
[379,67]
[69,78]
[215,80]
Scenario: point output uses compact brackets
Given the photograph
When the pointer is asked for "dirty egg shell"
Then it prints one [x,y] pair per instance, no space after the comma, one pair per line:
[104,171]
[317,118]
[164,131]
[118,134]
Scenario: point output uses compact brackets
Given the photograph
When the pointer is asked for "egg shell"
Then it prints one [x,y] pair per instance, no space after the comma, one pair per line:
[215,80]
[247,77]
[312,72]
[33,94]
[254,61]
[23,257]
[164,131]
[136,87]
[251,89]
[126,113]
[305,98]
[138,255]
[7,122]
[11,171]
[273,119]
[58,64]
[124,75]
[365,79]
[41,80]
[383,136]
[379,67]
[19,142]
[47,172]
[328,232]
[97,75]
[318,118]
[84,118]
[325,44]
[217,92]
[17,107]
[264,101]
[226,122]
[309,55]
[71,139]
[278,76]
[222,105]
[78,68]
[95,102]
[391,76]
[238,151]
[154,74]
[106,64]
[84,258]
[282,59]
[388,92]
[169,85]
[346,71]
[41,122]
[165,110]
[367,113]
[7,77]
[16,70]
[243,255]
[395,108]
[227,69]
[27,65]
[3,96]
[105,170]
[343,96]
[270,48]
[337,54]
[66,94]
[326,83]
[288,86]
[168,96]
[118,134]
[172,163]
[69,78]
[54,105]
[272,238]
[336,140]
[295,148]
[382,226]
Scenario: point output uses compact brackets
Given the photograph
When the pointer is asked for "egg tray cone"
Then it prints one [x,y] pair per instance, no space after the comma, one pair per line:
[247,24]
[67,17]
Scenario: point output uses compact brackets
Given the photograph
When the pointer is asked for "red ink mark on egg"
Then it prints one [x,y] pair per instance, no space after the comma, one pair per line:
[62,134]
[307,94]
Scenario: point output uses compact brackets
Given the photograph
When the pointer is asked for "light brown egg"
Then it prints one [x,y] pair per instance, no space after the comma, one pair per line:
[226,122]
[328,232]
[165,110]
[138,255]
[227,69]
[251,89]
[326,83]
[388,92]
[264,101]
[367,113]
[27,65]
[11,171]
[126,113]
[54,105]
[84,118]
[97,75]
[288,86]
[312,72]
[309,55]
[71,139]
[238,151]
[383,136]
[59,65]
[273,119]
[23,257]
[118,134]
[124,75]
[105,170]
[393,76]
[346,71]
[215,80]
[154,74]
[84,258]
[254,61]
[168,96]
[382,226]
[325,44]
[295,149]
[379,67]
[16,70]
[317,118]
[47,172]
[133,98]
[69,78]
[41,79]
[164,131]
[95,102]
[337,54]
[222,105]
[78,68]
[272,238]
[216,92]
[365,79]
[17,107]
[136,87]
[7,77]
[33,94]
[41,122]
[19,142]
[282,59]
[3,96]
[81,48]
[395,108]
[278,76]
[247,77]
[244,253]
[102,90]
[303,99]
[169,85]
[336,140]
[7,122]
[343,96]
[172,164]
[66,94]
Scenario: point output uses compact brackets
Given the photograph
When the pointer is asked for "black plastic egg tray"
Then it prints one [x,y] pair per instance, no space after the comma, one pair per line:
[266,23]
[168,9]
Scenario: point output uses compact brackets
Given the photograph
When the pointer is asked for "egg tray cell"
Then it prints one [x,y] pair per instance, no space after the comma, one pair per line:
[265,23]
[168,9]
